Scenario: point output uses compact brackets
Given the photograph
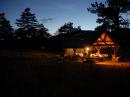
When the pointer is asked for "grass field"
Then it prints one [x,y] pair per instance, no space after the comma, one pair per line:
[45,74]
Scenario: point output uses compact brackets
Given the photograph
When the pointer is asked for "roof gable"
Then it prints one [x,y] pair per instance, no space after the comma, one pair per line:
[104,40]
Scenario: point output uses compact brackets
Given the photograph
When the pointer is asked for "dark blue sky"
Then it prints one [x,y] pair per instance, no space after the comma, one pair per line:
[52,13]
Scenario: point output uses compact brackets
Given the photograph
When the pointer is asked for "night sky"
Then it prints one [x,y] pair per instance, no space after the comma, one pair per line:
[52,13]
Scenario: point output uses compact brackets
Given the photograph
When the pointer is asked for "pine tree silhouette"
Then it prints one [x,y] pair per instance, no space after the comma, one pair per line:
[5,28]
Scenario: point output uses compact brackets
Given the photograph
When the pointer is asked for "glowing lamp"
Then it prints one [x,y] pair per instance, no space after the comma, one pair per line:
[87,48]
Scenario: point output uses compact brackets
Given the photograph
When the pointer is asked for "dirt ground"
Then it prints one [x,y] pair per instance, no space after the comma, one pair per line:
[39,74]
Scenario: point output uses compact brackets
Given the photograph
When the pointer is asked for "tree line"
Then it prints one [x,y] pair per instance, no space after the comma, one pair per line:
[28,27]
[30,33]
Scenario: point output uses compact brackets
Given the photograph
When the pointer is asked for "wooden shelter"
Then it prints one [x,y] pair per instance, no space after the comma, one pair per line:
[91,44]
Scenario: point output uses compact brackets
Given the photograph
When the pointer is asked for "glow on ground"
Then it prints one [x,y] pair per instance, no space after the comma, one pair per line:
[110,64]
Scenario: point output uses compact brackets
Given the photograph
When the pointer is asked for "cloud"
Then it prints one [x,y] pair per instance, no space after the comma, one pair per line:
[45,20]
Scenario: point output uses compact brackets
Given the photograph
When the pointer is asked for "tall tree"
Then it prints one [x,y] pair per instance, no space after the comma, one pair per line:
[27,20]
[42,32]
[27,25]
[29,28]
[5,28]
[63,34]
[68,28]
[111,13]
